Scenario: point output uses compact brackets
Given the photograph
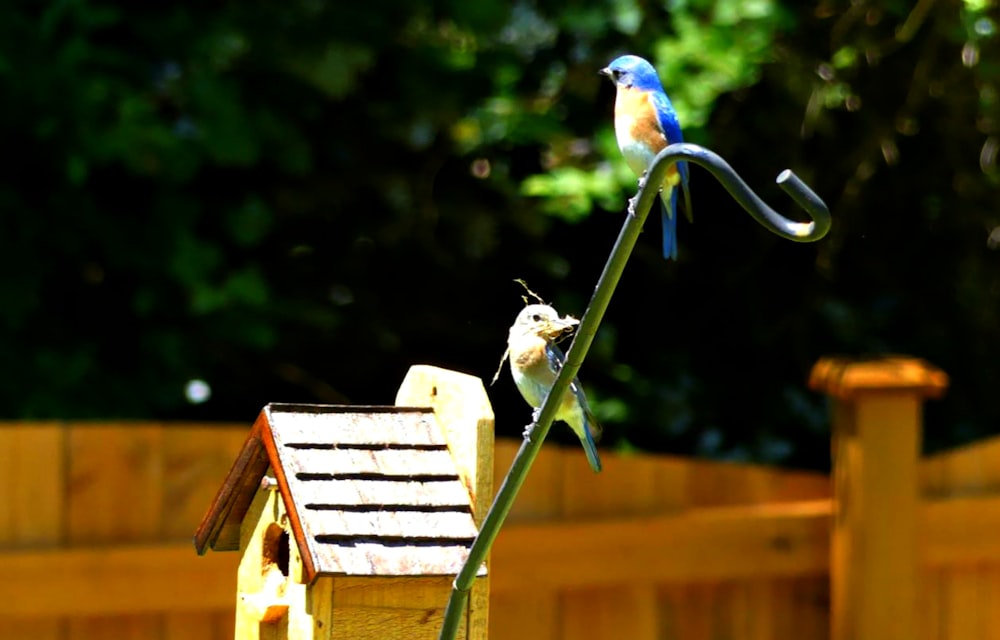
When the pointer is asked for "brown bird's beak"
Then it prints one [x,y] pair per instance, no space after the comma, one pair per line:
[561,327]
[568,322]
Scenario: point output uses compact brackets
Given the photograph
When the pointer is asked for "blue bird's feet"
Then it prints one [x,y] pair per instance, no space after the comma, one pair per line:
[535,414]
[634,200]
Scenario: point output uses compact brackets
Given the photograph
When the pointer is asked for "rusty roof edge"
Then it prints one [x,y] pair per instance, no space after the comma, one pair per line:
[306,551]
[221,509]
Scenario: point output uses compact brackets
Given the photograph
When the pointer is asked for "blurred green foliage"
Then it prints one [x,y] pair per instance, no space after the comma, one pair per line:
[296,201]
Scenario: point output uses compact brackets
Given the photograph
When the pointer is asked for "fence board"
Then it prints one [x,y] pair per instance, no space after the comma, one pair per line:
[115,484]
[114,496]
[211,625]
[961,605]
[86,485]
[701,545]
[629,612]
[961,531]
[32,472]
[582,553]
[929,604]
[195,461]
[195,458]
[119,627]
[971,469]
[514,616]
[115,580]
[990,601]
[812,605]
[962,506]
[763,602]
[33,476]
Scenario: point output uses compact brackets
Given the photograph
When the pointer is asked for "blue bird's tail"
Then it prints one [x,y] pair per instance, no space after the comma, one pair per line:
[669,226]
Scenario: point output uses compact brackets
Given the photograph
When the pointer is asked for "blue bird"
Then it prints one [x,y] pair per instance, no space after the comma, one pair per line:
[645,123]
[535,361]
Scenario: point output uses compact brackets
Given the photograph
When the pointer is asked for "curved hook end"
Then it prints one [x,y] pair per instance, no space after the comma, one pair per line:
[790,183]
[808,200]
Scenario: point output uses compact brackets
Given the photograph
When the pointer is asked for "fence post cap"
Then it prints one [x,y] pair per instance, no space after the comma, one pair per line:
[846,378]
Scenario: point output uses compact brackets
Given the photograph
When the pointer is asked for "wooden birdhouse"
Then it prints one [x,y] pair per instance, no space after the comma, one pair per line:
[352,521]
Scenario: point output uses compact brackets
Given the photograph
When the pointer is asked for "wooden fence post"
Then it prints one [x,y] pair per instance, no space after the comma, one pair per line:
[876,415]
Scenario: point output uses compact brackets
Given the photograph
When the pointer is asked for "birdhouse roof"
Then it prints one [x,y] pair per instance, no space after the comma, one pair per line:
[369,490]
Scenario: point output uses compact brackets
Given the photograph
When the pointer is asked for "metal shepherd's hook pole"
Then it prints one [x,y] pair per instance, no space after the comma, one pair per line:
[640,206]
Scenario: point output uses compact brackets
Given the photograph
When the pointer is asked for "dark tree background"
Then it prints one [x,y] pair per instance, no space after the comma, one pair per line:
[296,201]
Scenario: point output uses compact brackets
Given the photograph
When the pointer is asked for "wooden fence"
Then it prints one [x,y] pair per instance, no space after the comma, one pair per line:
[96,522]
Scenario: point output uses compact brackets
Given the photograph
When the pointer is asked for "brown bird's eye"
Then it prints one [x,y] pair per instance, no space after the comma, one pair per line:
[536,318]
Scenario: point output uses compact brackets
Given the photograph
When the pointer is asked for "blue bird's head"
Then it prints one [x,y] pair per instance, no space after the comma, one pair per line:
[633,71]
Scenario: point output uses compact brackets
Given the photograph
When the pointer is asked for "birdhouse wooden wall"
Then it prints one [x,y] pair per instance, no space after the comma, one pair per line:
[352,522]
[271,600]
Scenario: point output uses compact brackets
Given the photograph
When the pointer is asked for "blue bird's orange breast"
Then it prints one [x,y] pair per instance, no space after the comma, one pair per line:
[637,128]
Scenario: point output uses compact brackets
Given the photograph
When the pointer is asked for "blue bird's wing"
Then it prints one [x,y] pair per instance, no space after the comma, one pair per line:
[667,118]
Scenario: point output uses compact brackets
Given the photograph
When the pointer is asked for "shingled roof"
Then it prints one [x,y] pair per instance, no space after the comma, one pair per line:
[369,490]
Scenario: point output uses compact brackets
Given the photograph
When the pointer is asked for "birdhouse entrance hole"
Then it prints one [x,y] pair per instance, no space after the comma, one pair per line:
[276,549]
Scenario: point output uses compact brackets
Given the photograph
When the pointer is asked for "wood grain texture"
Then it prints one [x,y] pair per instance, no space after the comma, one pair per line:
[385,492]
